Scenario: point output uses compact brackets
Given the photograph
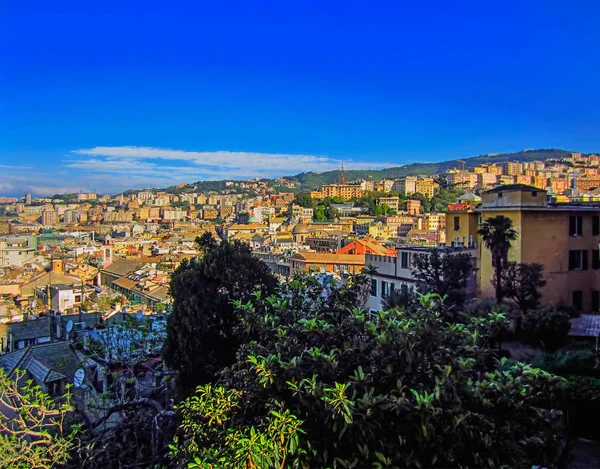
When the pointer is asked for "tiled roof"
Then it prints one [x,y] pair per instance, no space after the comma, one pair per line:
[121,267]
[586,325]
[318,257]
[125,282]
[44,362]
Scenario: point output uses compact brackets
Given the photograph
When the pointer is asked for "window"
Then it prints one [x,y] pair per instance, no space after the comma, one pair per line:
[499,195]
[384,289]
[595,301]
[54,387]
[404,260]
[575,225]
[595,225]
[374,287]
[456,223]
[578,299]
[578,260]
[595,259]
[534,194]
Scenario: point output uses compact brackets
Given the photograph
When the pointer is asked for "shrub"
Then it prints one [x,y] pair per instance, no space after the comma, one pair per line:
[547,329]
[567,362]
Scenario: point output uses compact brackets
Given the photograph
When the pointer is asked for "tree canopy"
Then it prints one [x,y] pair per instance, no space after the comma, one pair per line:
[201,337]
[348,389]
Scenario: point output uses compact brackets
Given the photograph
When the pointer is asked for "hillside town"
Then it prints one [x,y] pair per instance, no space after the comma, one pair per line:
[83,268]
[89,252]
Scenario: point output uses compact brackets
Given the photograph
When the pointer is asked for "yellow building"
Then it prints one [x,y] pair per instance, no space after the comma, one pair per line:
[426,186]
[563,237]
[345,191]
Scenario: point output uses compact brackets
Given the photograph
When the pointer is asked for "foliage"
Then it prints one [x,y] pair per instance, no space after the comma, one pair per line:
[206,242]
[582,388]
[207,439]
[201,337]
[521,283]
[482,307]
[33,432]
[160,307]
[497,234]
[568,362]
[443,273]
[370,200]
[405,298]
[394,389]
[303,199]
[546,328]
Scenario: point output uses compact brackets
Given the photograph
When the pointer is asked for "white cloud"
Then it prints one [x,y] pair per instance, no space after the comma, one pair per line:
[114,169]
[242,164]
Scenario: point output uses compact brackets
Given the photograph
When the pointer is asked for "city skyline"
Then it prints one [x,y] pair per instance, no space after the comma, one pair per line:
[147,95]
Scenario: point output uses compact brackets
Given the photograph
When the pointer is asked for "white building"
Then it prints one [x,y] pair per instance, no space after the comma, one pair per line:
[396,272]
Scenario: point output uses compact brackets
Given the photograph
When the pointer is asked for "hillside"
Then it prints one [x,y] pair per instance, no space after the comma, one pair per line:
[313,180]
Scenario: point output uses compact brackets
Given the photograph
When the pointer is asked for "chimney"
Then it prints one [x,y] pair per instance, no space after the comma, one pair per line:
[57,266]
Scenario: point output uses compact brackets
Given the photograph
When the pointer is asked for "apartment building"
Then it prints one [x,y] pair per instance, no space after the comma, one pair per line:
[345,191]
[396,272]
[326,262]
[406,185]
[462,178]
[49,218]
[391,202]
[511,168]
[563,237]
[298,213]
[426,186]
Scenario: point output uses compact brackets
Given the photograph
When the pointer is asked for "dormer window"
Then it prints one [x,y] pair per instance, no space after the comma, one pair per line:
[54,387]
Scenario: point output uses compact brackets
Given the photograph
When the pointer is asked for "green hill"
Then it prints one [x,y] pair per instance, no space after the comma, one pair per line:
[313,180]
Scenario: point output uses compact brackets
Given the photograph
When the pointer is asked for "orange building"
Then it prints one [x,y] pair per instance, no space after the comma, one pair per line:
[326,262]
[366,246]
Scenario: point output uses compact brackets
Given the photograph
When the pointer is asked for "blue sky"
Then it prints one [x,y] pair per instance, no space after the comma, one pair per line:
[107,95]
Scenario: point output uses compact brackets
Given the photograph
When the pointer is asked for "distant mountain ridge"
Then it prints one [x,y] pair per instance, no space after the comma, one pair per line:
[312,180]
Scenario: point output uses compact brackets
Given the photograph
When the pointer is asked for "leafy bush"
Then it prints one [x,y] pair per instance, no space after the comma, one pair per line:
[570,310]
[568,362]
[546,328]
[396,389]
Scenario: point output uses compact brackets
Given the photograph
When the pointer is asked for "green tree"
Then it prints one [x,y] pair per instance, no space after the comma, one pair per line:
[443,273]
[304,200]
[546,328]
[393,389]
[497,234]
[331,213]
[33,432]
[201,330]
[521,282]
[206,242]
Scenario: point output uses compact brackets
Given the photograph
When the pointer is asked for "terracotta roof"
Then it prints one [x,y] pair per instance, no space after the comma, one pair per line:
[125,282]
[318,257]
[121,267]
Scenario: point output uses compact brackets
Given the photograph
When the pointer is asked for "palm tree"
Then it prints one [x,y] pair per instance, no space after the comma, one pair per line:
[497,234]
